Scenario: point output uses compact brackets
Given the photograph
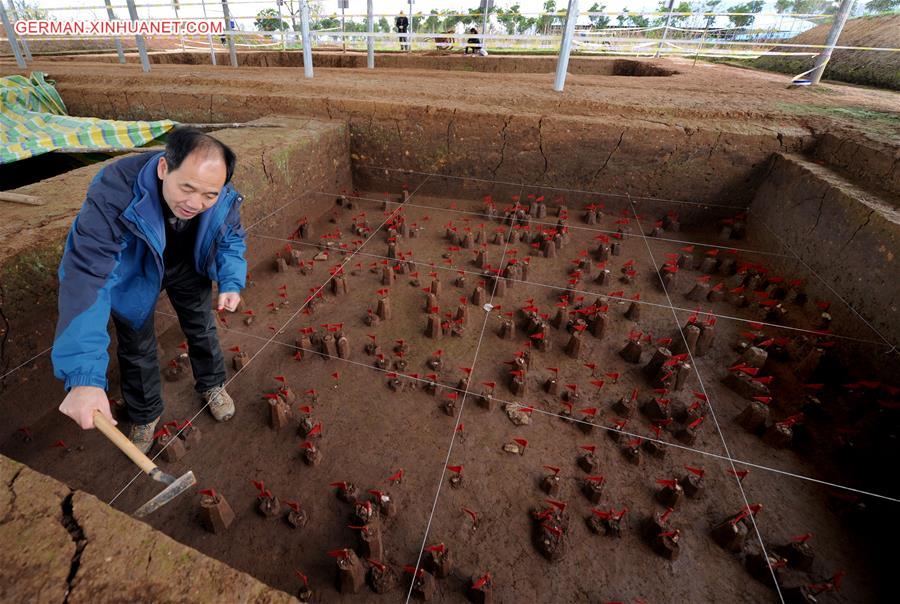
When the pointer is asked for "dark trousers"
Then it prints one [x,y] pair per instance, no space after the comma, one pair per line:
[191,296]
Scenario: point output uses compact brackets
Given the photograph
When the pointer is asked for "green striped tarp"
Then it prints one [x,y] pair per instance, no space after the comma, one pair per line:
[33,121]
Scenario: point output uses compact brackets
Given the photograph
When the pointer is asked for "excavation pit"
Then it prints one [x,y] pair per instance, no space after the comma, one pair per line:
[385,428]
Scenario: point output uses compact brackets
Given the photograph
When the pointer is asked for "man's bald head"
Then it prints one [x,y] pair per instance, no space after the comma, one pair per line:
[193,171]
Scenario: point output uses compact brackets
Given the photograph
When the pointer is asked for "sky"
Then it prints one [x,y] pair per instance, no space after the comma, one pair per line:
[245,10]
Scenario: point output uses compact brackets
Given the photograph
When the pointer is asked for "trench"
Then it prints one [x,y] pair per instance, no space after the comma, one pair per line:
[723,243]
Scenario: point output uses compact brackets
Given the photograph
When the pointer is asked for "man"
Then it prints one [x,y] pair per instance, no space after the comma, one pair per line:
[166,220]
[402,25]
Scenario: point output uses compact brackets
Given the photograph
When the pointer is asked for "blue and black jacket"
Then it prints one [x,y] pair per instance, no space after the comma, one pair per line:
[113,262]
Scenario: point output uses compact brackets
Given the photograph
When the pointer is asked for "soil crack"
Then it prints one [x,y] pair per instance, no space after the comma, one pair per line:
[5,327]
[450,130]
[503,148]
[858,229]
[608,157]
[819,213]
[71,525]
[715,145]
[12,502]
[541,145]
[262,157]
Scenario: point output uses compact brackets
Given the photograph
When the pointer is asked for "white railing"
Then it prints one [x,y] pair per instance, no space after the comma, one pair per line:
[668,34]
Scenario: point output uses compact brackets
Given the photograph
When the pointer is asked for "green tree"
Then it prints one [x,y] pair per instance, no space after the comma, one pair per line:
[626,19]
[355,26]
[747,12]
[383,25]
[331,22]
[546,18]
[507,18]
[875,7]
[26,9]
[450,18]
[267,20]
[674,20]
[807,7]
[416,22]
[433,22]
[598,21]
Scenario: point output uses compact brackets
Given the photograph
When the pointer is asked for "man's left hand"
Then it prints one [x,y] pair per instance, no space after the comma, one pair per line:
[229,301]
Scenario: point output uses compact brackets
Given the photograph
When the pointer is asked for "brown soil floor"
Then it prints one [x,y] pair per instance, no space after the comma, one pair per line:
[370,431]
[699,97]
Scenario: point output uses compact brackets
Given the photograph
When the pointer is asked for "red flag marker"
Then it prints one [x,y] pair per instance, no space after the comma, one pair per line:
[482,581]
[474,515]
[740,474]
[339,553]
[560,505]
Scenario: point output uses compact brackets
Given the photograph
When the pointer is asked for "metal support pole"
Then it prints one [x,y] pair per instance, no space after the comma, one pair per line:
[212,49]
[15,15]
[410,30]
[142,48]
[11,37]
[112,17]
[486,6]
[370,40]
[343,32]
[562,62]
[281,25]
[304,33]
[665,33]
[229,31]
[836,28]
[702,40]
[178,18]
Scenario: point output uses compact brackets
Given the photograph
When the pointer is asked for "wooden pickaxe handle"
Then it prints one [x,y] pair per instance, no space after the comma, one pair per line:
[121,441]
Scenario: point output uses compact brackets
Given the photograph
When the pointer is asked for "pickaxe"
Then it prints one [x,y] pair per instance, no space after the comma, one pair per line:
[174,486]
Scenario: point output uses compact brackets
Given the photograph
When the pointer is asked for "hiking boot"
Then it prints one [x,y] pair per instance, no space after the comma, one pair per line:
[220,404]
[142,435]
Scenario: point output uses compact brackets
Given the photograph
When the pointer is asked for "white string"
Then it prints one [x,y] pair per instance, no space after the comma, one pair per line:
[269,341]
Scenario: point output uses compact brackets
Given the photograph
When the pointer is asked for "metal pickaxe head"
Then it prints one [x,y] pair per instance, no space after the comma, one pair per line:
[174,488]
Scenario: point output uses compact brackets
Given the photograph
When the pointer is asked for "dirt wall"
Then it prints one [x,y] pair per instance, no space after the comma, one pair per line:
[387,60]
[848,236]
[67,546]
[866,161]
[639,157]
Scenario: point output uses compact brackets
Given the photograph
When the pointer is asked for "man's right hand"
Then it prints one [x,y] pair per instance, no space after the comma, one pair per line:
[82,401]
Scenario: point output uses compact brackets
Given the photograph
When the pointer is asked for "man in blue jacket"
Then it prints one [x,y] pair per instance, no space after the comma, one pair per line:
[153,221]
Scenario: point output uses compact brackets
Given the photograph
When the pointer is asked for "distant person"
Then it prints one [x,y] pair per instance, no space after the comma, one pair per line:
[402,25]
[233,27]
[474,44]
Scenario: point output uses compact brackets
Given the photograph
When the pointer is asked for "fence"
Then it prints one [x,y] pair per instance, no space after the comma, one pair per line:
[280,24]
